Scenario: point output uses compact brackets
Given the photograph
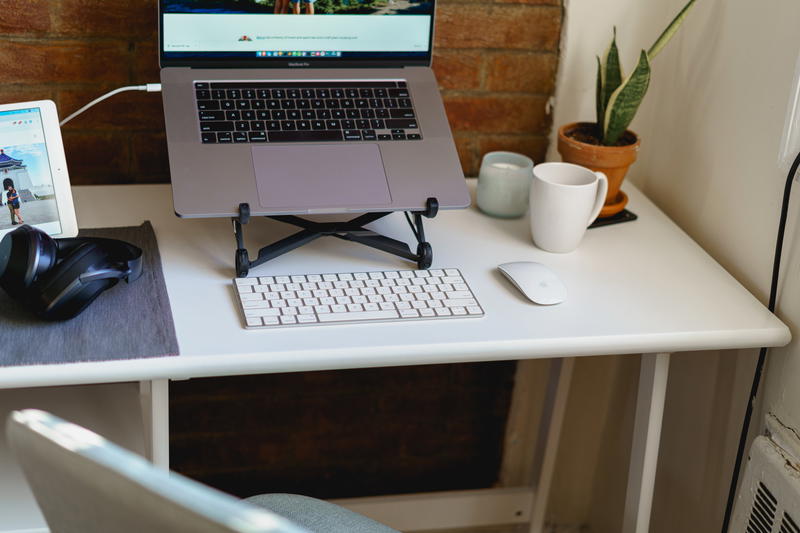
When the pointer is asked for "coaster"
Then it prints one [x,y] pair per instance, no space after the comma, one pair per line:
[622,216]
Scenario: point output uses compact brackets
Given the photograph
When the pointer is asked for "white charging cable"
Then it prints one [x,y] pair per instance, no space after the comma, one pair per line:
[150,87]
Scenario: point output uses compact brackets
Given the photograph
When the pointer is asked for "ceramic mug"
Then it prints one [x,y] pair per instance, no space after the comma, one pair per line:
[504,182]
[565,199]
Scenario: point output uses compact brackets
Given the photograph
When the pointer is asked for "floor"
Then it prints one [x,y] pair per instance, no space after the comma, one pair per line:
[512,529]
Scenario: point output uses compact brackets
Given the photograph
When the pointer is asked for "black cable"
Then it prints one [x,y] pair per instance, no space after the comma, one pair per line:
[762,354]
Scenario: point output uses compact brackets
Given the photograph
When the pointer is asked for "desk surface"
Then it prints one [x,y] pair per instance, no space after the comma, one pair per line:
[640,287]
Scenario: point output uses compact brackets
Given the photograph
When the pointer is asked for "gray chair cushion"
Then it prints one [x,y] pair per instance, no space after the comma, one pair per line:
[318,516]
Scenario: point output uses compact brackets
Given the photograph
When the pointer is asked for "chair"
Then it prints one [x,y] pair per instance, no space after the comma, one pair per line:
[85,484]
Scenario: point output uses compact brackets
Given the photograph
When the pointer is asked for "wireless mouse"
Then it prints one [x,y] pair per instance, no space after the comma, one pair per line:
[536,281]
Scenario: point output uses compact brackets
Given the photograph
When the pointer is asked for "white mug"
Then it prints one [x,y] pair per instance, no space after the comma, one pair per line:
[565,199]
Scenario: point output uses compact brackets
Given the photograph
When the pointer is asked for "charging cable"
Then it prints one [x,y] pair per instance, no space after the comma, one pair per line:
[762,354]
[150,87]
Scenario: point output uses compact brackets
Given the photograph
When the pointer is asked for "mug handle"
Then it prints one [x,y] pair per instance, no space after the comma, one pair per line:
[602,189]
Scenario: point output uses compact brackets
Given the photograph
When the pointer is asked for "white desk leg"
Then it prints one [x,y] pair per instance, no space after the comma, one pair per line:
[646,439]
[553,410]
[154,399]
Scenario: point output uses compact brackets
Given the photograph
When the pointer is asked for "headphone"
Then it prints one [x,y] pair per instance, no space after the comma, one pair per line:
[59,278]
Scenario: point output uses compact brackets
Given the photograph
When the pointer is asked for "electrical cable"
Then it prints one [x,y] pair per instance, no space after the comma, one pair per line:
[762,354]
[150,87]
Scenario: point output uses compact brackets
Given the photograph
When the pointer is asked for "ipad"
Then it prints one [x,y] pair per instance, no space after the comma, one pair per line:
[33,170]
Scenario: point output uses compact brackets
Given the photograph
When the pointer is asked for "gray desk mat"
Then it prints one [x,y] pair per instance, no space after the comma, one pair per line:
[128,321]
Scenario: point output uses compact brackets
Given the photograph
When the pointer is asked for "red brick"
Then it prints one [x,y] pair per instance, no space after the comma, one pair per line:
[10,95]
[467,153]
[64,62]
[497,114]
[25,16]
[107,18]
[533,146]
[126,111]
[510,26]
[149,158]
[457,69]
[97,158]
[145,62]
[525,72]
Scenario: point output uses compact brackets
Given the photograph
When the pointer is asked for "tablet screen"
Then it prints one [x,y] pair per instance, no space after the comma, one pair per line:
[27,195]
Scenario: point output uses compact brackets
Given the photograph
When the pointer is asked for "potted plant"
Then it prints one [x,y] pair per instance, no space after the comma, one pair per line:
[608,145]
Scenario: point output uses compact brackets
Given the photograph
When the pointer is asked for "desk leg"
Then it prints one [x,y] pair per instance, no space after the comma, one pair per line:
[646,439]
[553,410]
[154,400]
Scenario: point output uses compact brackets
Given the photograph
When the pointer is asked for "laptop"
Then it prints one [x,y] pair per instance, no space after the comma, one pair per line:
[314,106]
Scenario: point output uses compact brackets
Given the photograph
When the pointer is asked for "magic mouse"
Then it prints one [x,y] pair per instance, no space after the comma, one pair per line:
[537,282]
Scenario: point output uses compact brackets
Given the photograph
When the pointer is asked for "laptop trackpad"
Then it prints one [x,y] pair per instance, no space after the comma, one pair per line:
[317,176]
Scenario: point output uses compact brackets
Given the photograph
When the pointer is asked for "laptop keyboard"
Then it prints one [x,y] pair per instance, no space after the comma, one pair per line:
[269,112]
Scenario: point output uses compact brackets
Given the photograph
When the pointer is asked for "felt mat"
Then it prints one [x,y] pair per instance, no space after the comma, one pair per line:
[128,321]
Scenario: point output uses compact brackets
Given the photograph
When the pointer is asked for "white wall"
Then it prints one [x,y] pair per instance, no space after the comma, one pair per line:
[711,128]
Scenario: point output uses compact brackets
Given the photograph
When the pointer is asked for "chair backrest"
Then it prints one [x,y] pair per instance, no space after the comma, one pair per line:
[85,484]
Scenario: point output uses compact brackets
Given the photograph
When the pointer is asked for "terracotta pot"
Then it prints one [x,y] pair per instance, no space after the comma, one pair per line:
[613,161]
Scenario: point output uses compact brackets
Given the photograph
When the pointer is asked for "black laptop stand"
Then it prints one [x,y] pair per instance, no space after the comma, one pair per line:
[352,230]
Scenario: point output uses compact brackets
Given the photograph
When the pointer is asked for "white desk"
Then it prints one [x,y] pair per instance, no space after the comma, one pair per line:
[636,288]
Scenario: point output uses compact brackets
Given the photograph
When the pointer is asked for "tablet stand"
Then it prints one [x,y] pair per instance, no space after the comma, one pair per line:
[351,230]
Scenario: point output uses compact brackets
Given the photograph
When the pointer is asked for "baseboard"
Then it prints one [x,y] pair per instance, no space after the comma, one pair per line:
[446,510]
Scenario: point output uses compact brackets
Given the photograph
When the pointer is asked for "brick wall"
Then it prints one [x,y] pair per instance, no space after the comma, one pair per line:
[495,61]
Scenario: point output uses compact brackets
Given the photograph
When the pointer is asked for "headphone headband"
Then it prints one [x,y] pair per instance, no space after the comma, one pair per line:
[119,252]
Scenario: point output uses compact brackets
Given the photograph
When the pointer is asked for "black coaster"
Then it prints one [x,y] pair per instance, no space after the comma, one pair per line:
[622,216]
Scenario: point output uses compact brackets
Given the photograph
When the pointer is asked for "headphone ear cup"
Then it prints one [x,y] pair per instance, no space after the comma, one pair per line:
[61,293]
[26,254]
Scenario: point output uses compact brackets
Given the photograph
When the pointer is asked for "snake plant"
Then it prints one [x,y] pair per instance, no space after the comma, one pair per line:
[618,97]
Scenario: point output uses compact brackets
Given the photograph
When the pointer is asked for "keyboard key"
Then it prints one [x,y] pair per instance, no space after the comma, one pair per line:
[207,105]
[401,123]
[224,137]
[402,113]
[304,136]
[216,126]
[364,315]
[352,135]
[212,115]
[208,138]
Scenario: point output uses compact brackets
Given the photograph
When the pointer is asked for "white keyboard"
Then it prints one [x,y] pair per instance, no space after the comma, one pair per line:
[357,297]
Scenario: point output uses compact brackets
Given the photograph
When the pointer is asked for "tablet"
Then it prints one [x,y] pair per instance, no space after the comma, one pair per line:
[33,170]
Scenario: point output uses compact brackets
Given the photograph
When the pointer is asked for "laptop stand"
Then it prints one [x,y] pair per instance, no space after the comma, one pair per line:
[352,230]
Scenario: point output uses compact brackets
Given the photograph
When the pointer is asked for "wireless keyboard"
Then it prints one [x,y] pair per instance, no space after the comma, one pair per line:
[355,297]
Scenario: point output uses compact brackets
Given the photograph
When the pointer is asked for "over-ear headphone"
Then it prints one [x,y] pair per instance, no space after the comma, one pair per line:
[59,278]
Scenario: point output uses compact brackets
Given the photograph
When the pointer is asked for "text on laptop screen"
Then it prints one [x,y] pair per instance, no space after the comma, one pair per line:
[266,29]
[28,195]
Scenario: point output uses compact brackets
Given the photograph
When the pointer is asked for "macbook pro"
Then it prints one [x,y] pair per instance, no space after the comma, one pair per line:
[313,106]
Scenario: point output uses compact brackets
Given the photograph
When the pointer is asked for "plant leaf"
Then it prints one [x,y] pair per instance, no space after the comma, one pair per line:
[612,73]
[609,77]
[599,101]
[625,101]
[667,34]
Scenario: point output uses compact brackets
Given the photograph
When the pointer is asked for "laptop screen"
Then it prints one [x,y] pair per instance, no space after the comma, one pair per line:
[271,31]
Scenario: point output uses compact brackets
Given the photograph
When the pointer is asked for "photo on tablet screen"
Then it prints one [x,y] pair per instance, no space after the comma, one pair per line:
[28,194]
